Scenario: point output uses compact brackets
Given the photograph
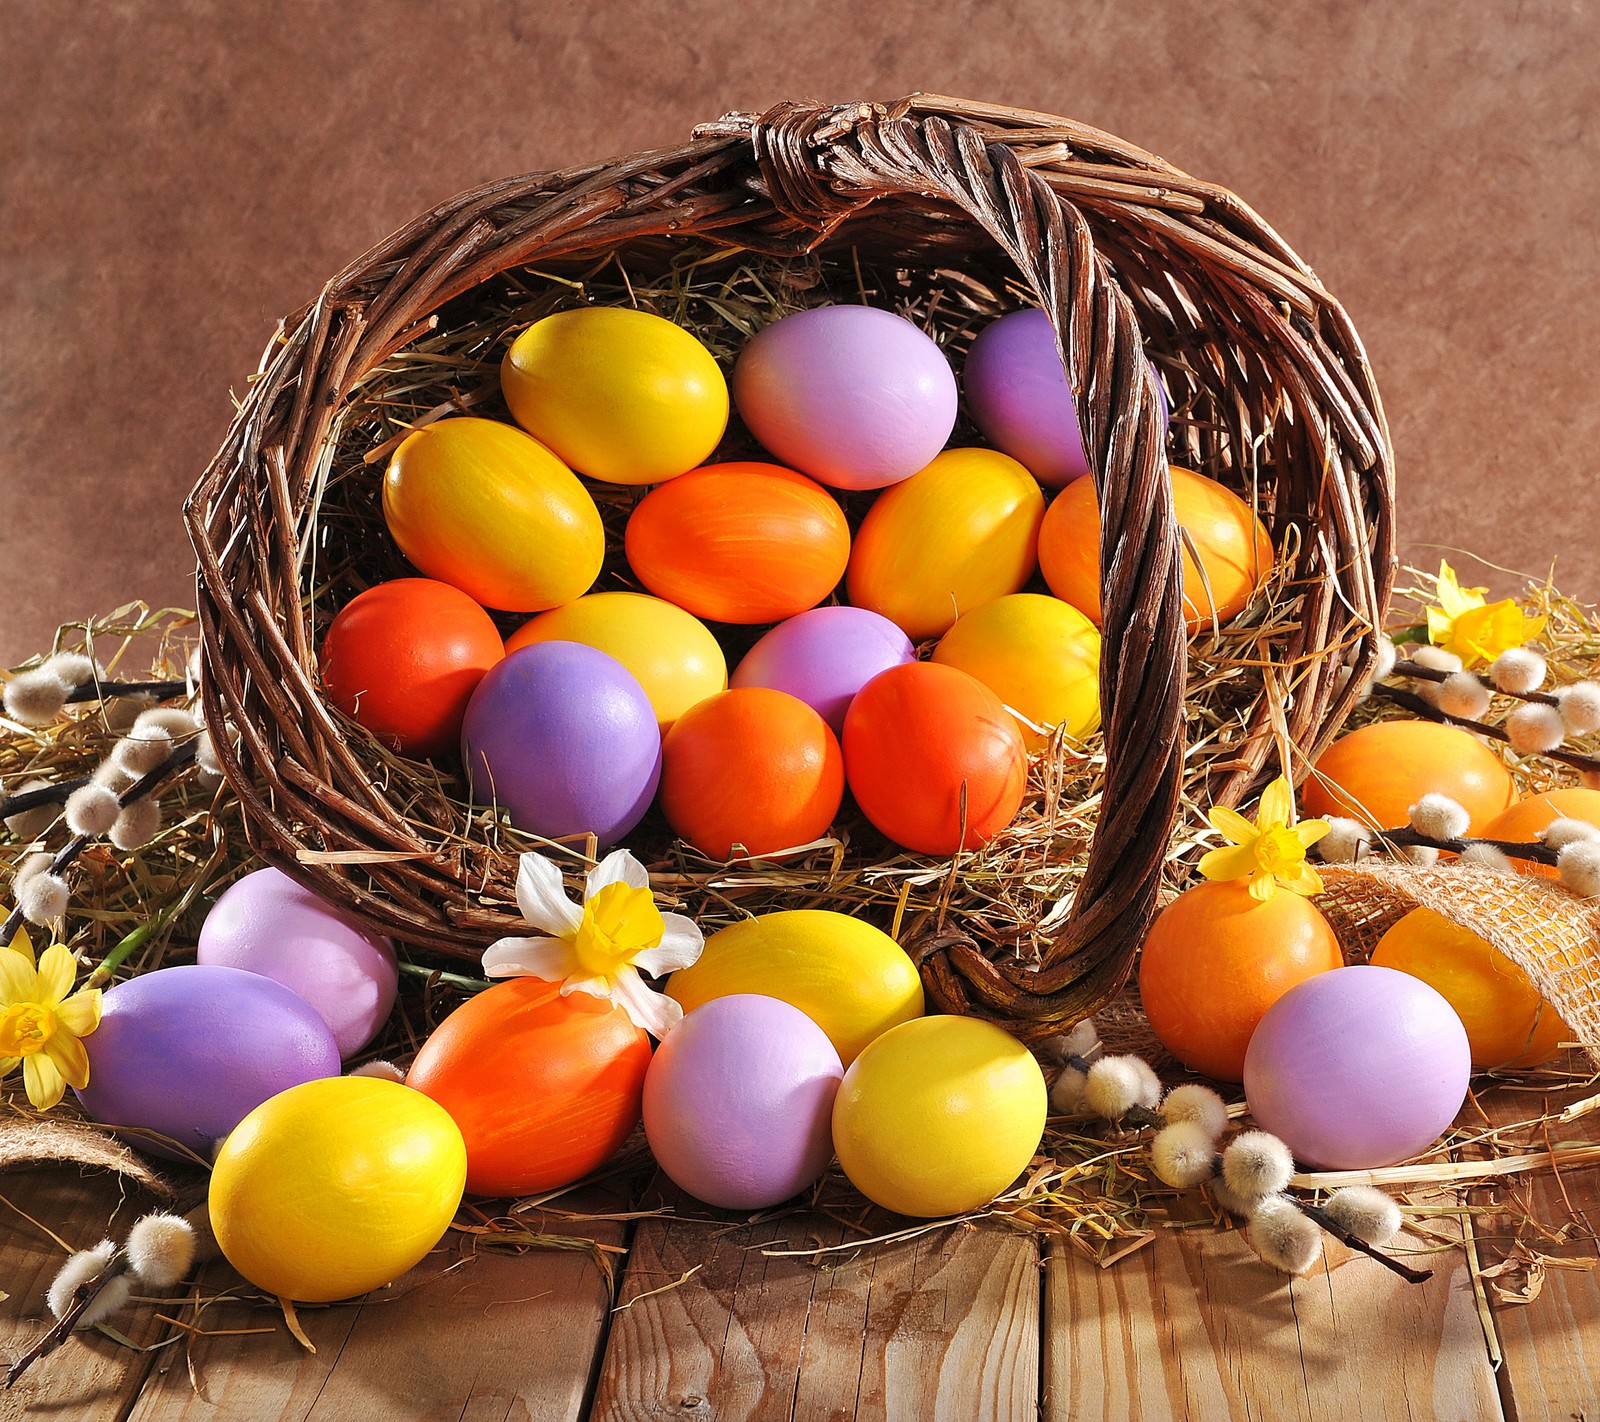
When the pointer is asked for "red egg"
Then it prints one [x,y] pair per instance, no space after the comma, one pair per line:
[543,1087]
[739,542]
[920,738]
[752,767]
[403,659]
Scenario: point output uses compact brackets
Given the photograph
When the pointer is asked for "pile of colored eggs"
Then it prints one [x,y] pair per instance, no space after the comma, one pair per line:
[608,702]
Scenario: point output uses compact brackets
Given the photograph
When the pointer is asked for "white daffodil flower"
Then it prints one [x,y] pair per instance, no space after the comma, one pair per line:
[600,946]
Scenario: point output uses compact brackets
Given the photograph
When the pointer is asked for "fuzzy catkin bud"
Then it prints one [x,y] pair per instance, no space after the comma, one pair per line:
[112,1298]
[205,756]
[1366,1212]
[1463,696]
[1117,1084]
[138,824]
[1486,856]
[1184,1154]
[36,697]
[92,810]
[1256,1164]
[1579,707]
[1230,1200]
[384,1071]
[1066,1091]
[1436,659]
[1578,865]
[173,720]
[1284,1237]
[1420,854]
[160,1249]
[1345,842]
[31,866]
[1383,663]
[1560,833]
[1439,817]
[142,749]
[1519,671]
[72,669]
[1534,728]
[30,824]
[1198,1104]
[112,776]
[79,1269]
[1077,1041]
[43,898]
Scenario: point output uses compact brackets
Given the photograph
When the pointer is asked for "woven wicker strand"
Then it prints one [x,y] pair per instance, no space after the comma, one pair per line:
[1117,246]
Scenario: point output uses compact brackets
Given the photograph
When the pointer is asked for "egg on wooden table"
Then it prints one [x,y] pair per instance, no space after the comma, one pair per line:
[854,396]
[189,1051]
[266,923]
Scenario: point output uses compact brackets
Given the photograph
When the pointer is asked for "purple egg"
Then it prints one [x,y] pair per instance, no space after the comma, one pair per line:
[191,1051]
[824,657]
[1358,1068]
[854,396]
[563,738]
[738,1102]
[1017,391]
[268,924]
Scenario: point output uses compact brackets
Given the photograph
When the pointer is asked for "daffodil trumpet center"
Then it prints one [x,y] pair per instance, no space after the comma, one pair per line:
[1279,850]
[619,923]
[25,1028]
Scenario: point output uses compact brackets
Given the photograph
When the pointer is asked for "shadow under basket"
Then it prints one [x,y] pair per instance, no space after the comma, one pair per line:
[950,212]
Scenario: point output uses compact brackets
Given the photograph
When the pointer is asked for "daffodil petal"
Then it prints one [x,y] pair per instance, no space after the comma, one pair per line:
[543,899]
[18,981]
[548,958]
[680,946]
[653,1011]
[593,986]
[1303,879]
[1232,824]
[70,1059]
[1277,804]
[21,943]
[8,1065]
[57,971]
[43,1081]
[80,1013]
[1308,832]
[618,867]
[1262,886]
[1236,861]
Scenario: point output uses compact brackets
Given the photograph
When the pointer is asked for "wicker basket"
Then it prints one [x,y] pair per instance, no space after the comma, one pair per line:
[1127,254]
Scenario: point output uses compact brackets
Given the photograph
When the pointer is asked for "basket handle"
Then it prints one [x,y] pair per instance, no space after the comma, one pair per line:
[820,165]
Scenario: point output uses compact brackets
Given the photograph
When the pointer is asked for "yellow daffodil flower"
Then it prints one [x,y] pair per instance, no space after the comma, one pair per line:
[1271,853]
[600,946]
[40,1024]
[1475,630]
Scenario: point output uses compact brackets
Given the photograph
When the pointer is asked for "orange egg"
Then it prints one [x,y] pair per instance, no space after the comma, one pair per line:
[403,659]
[544,1088]
[1508,1024]
[739,542]
[1522,823]
[1376,774]
[934,759]
[1216,959]
[955,535]
[1235,551]
[751,767]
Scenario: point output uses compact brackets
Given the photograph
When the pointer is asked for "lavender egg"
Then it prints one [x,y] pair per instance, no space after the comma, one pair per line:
[856,397]
[564,739]
[1018,394]
[1358,1068]
[268,924]
[189,1052]
[738,1102]
[824,657]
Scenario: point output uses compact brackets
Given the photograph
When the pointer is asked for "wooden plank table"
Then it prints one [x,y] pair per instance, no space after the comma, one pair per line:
[694,1315]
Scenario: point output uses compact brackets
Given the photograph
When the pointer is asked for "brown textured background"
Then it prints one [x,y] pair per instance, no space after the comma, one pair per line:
[176,174]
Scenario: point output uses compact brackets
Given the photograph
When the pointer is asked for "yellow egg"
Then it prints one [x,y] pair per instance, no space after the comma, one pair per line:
[621,395]
[851,979]
[479,505]
[955,535]
[671,653]
[1039,655]
[938,1116]
[335,1187]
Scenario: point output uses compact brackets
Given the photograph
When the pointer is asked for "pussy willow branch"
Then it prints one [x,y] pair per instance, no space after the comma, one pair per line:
[177,760]
[55,794]
[1405,836]
[1415,671]
[1422,707]
[93,690]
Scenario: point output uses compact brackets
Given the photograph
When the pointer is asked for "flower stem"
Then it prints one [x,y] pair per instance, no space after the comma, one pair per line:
[455,980]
